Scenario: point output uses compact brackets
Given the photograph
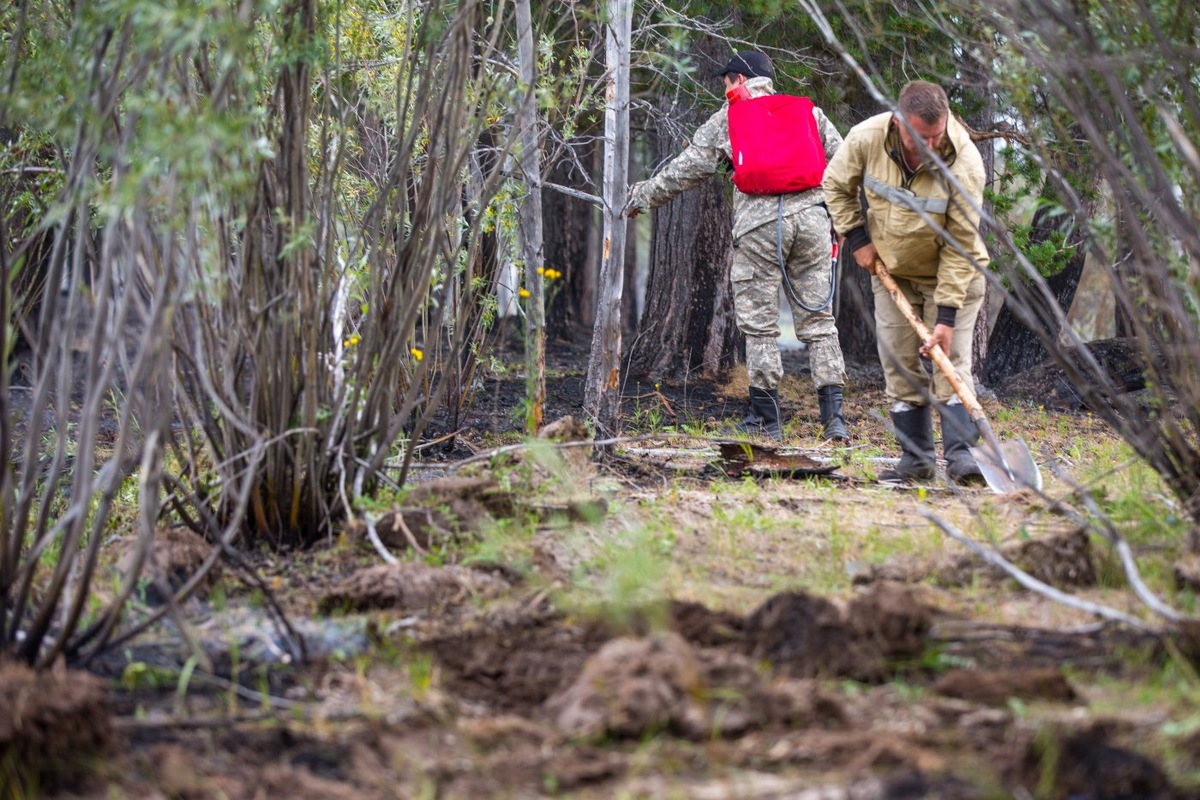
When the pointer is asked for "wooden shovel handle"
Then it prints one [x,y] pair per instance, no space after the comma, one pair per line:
[935,352]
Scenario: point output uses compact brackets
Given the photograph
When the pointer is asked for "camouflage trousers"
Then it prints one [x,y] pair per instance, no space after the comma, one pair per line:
[756,279]
[905,377]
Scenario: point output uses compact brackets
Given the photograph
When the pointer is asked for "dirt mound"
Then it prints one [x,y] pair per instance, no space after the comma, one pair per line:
[1064,560]
[635,687]
[889,618]
[995,687]
[410,587]
[808,637]
[515,668]
[1061,559]
[1085,764]
[442,510]
[1187,572]
[704,627]
[187,775]
[569,429]
[50,723]
[176,554]
[631,687]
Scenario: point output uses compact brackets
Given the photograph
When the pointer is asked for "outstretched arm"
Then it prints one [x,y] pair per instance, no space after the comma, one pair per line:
[698,162]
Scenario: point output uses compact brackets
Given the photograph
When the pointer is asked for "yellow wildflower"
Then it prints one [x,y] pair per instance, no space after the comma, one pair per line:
[523,292]
[417,354]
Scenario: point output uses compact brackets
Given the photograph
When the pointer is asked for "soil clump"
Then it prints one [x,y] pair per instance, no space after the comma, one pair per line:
[1064,560]
[805,636]
[51,724]
[997,687]
[442,511]
[410,586]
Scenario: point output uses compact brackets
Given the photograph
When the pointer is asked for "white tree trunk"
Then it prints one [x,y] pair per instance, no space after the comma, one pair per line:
[529,227]
[602,399]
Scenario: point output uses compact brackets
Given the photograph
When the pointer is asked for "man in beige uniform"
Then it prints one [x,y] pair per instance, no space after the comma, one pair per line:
[805,242]
[937,266]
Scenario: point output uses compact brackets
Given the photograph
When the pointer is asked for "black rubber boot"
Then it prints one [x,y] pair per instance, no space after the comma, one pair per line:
[763,419]
[830,400]
[914,429]
[958,436]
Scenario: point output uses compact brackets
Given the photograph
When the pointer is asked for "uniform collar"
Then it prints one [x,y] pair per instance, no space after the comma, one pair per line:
[760,87]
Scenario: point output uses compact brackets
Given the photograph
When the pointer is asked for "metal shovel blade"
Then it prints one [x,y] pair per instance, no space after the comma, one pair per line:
[1007,466]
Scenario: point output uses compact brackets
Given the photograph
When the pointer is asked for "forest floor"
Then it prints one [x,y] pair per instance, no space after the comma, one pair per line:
[645,625]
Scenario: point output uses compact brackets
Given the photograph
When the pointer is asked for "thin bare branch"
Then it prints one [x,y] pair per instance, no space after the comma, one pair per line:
[1029,582]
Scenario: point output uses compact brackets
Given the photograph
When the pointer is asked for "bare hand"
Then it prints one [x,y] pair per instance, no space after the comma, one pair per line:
[942,336]
[865,257]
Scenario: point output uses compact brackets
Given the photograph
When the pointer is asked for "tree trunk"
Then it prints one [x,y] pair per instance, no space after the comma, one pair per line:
[629,306]
[855,309]
[569,297]
[530,223]
[688,325]
[855,312]
[688,284]
[1014,347]
[976,92]
[602,398]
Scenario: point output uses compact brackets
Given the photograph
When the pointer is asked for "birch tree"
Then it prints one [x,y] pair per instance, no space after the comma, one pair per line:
[602,399]
[530,222]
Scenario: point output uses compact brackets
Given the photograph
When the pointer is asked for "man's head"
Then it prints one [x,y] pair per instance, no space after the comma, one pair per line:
[925,107]
[747,63]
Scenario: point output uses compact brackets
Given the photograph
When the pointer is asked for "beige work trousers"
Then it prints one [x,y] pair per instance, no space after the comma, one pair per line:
[899,346]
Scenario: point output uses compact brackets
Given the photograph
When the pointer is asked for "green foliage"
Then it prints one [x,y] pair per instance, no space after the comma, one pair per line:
[263,169]
[505,541]
[624,582]
[140,675]
[648,415]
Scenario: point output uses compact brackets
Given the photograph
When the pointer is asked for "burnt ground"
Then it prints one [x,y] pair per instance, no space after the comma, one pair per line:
[710,402]
[464,673]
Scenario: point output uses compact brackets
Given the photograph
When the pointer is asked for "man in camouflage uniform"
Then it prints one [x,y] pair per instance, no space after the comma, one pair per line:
[756,276]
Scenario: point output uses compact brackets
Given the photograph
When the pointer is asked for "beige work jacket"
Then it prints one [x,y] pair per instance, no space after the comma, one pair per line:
[869,159]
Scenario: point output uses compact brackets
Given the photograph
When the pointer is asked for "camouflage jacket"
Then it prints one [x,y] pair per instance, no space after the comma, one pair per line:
[703,157]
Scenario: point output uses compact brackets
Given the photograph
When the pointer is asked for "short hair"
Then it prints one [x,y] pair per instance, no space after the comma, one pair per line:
[926,100]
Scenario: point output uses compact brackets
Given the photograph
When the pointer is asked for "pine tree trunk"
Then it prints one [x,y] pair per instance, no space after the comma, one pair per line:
[855,301]
[629,306]
[688,324]
[977,90]
[570,297]
[855,312]
[688,291]
[1013,346]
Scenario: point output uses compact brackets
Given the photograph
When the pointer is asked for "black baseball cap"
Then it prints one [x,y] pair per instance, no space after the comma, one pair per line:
[750,63]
